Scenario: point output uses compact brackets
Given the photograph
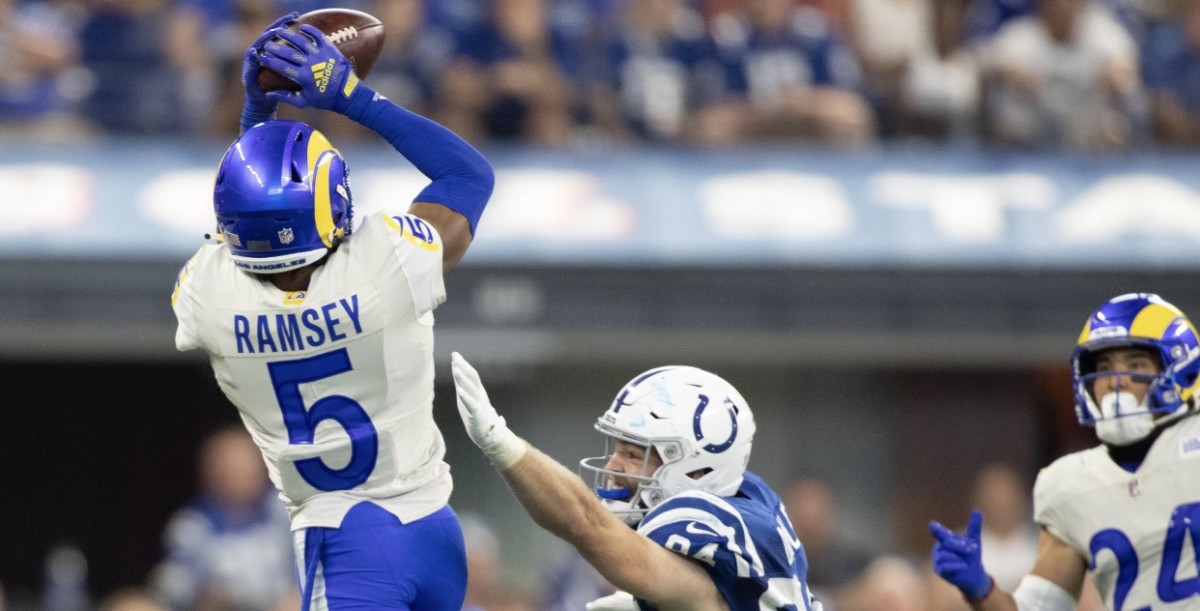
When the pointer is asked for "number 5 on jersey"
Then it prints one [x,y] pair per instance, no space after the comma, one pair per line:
[302,422]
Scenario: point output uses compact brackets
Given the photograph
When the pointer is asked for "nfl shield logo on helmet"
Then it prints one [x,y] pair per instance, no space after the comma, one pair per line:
[286,236]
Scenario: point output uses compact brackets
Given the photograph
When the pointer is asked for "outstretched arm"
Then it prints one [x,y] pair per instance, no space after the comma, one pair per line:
[1053,584]
[461,179]
[559,502]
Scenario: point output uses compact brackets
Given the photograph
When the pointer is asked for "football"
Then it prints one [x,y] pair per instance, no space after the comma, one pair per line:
[358,36]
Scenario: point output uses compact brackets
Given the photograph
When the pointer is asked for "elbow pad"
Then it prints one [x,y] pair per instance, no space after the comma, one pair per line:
[1040,594]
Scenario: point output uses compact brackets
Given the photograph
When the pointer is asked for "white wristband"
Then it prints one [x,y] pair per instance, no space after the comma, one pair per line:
[503,447]
[1040,594]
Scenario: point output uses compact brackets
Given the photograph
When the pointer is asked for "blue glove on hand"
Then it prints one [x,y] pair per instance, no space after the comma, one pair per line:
[325,77]
[957,558]
[256,106]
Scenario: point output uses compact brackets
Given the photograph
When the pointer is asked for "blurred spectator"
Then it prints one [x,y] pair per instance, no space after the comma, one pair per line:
[1171,69]
[940,96]
[205,43]
[416,50]
[1009,536]
[657,66]
[65,585]
[985,17]
[488,589]
[833,563]
[130,599]
[791,76]
[230,548]
[509,77]
[889,583]
[572,583]
[136,88]
[1065,77]
[43,80]
[887,35]
[836,12]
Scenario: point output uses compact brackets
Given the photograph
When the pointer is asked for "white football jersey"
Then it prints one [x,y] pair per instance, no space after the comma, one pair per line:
[1139,531]
[335,383]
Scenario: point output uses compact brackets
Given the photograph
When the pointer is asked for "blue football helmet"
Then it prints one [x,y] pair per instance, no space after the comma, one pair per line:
[1137,320]
[282,197]
[698,423]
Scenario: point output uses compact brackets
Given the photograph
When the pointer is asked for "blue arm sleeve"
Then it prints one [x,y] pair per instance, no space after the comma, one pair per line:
[462,177]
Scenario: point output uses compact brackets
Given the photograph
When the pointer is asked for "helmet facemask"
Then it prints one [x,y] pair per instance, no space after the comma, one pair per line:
[1120,417]
[1147,324]
[627,495]
[693,422]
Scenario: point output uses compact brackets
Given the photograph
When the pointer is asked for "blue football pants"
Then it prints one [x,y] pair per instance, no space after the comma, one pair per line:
[373,561]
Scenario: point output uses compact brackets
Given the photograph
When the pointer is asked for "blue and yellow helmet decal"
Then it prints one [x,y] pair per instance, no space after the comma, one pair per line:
[1147,321]
[282,197]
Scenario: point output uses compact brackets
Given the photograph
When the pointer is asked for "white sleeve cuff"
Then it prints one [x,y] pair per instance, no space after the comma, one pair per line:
[1040,594]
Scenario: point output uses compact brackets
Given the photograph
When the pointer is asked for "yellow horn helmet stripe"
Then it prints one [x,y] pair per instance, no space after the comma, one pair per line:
[318,172]
[1153,321]
[322,207]
[1083,335]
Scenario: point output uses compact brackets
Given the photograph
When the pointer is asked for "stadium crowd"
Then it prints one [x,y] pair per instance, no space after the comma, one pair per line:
[1080,75]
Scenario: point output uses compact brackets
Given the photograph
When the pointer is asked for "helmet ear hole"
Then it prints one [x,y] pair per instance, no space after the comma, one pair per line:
[296,176]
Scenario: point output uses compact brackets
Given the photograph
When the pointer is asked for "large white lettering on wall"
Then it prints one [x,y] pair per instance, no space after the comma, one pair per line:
[786,206]
[776,204]
[964,207]
[46,197]
[555,204]
[1134,205]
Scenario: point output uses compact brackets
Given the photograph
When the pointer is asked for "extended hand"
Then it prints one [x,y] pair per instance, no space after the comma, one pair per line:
[324,75]
[958,558]
[256,106]
[485,427]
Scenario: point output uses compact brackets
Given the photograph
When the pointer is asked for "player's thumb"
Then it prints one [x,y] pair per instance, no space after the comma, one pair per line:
[975,525]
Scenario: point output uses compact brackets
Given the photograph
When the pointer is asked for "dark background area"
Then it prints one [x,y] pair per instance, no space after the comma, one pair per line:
[896,383]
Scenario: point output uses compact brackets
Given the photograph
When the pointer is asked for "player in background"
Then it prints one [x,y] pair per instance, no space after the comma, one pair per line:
[709,534]
[1128,509]
[320,331]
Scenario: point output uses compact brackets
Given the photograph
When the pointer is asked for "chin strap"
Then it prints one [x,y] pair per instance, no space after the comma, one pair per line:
[1130,456]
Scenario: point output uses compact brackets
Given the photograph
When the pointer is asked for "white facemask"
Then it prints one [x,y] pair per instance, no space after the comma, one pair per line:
[1118,429]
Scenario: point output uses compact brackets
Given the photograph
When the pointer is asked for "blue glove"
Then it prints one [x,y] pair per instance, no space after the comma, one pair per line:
[325,77]
[256,106]
[957,558]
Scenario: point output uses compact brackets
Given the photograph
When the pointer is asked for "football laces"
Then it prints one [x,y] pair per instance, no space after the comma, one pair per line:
[338,37]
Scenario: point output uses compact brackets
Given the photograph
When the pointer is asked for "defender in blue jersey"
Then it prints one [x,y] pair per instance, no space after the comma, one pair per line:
[319,328]
[709,534]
